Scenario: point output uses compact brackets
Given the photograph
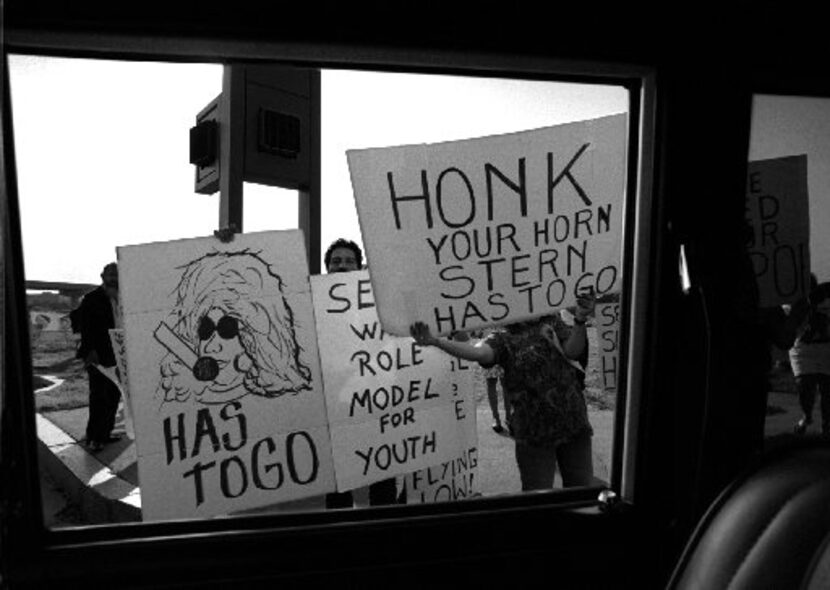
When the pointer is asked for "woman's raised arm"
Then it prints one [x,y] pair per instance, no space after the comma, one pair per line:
[479,352]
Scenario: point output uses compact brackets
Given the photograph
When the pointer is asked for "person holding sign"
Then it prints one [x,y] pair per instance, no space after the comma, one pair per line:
[544,365]
[810,360]
[345,256]
[98,312]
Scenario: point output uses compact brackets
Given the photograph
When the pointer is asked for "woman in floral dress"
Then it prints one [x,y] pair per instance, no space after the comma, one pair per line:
[543,361]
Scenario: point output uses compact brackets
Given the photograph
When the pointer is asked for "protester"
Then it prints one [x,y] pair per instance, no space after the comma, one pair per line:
[343,256]
[810,360]
[99,312]
[492,377]
[346,256]
[543,362]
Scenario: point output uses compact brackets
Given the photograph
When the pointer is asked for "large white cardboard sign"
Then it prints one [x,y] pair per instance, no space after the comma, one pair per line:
[394,407]
[487,231]
[608,340]
[224,374]
[778,211]
[456,479]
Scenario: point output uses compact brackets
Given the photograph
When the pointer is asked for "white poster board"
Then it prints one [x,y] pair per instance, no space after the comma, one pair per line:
[453,480]
[394,407]
[224,374]
[119,349]
[487,231]
[608,341]
[778,211]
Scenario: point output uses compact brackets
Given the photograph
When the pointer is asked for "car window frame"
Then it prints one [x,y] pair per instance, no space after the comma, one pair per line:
[639,283]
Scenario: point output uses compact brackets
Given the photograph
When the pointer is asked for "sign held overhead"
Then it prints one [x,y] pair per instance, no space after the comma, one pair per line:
[488,231]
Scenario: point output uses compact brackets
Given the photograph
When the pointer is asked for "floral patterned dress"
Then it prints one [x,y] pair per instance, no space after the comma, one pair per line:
[544,388]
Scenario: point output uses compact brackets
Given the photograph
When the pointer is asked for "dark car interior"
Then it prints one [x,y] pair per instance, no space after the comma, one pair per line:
[708,485]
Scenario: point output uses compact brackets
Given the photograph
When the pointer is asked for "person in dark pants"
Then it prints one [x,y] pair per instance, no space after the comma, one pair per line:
[345,256]
[95,316]
[810,360]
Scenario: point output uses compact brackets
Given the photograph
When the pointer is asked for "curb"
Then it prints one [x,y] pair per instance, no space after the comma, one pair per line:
[102,496]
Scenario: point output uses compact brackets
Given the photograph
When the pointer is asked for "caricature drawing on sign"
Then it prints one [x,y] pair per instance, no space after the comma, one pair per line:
[231,333]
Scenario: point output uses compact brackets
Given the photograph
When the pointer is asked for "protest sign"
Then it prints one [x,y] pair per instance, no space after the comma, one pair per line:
[777,209]
[608,339]
[224,374]
[450,481]
[119,349]
[455,479]
[393,406]
[487,231]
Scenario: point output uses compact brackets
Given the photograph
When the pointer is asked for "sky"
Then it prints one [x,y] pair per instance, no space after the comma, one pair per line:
[102,148]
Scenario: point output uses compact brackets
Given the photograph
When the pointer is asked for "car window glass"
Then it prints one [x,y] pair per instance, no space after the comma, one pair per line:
[788,210]
[102,158]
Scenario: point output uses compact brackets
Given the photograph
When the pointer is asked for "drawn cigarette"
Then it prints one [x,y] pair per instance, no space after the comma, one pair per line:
[204,368]
[171,341]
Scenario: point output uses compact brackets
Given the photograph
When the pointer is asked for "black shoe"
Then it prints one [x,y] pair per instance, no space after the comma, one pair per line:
[94,445]
[498,428]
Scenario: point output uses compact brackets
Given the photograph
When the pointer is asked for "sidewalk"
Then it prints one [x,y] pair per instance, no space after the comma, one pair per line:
[104,484]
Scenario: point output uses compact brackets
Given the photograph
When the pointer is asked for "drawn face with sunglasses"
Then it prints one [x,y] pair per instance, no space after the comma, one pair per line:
[219,340]
[231,333]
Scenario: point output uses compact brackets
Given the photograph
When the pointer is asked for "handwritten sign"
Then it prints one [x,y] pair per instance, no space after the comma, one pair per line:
[456,479]
[449,482]
[119,349]
[487,231]
[777,209]
[393,406]
[224,374]
[608,340]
